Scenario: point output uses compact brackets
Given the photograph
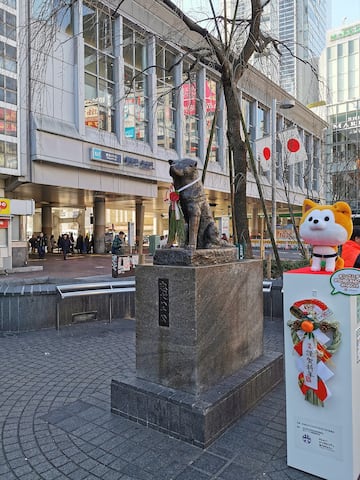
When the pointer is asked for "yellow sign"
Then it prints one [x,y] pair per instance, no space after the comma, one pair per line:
[4,206]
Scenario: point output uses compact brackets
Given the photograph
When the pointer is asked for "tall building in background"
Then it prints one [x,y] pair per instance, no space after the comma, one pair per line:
[302,29]
[340,69]
[267,62]
[300,25]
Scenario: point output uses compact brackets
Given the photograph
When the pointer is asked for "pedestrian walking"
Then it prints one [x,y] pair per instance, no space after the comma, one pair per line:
[118,243]
[79,243]
[33,243]
[65,245]
[52,243]
[72,242]
[86,243]
[41,244]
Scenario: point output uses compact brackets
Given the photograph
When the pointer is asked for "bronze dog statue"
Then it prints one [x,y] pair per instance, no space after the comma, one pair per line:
[201,231]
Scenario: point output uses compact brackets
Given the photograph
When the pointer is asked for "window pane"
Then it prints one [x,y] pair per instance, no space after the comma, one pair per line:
[135,82]
[90,87]
[105,32]
[11,97]
[106,67]
[191,106]
[166,95]
[63,16]
[105,93]
[128,45]
[11,83]
[90,60]
[211,89]
[11,155]
[89,25]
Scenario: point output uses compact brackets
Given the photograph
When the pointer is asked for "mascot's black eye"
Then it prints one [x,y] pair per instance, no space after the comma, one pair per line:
[326,219]
[310,219]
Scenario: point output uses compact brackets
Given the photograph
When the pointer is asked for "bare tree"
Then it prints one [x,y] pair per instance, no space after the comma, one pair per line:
[232,64]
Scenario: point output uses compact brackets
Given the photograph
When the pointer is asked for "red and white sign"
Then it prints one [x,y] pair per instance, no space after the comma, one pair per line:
[263,152]
[190,98]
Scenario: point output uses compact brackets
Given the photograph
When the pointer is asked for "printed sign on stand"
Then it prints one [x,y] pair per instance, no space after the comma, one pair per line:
[322,368]
[134,260]
[126,263]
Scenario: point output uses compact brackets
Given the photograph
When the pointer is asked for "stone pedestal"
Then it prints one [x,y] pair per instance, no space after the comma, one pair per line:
[199,349]
[197,325]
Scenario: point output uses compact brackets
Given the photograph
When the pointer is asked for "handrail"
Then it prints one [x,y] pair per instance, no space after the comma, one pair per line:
[101,288]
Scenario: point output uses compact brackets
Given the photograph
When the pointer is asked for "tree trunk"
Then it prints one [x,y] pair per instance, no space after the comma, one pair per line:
[238,149]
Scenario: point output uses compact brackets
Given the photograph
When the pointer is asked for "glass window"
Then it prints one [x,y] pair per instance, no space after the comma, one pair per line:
[191,110]
[298,180]
[55,12]
[63,15]
[261,127]
[316,165]
[136,104]
[8,89]
[89,25]
[8,123]
[8,155]
[8,55]
[99,69]
[212,92]
[166,97]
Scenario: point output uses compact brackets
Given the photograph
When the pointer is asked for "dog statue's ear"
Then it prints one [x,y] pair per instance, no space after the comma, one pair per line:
[170,162]
[195,163]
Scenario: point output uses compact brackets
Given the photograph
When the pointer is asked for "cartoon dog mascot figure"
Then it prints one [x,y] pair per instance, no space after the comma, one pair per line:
[325,227]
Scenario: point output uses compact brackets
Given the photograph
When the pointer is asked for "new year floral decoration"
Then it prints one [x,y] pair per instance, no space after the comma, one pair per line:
[176,216]
[316,338]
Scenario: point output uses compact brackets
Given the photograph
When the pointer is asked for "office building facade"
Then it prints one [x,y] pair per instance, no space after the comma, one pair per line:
[302,28]
[340,67]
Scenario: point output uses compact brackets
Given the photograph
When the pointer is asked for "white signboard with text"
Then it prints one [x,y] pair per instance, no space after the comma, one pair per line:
[322,372]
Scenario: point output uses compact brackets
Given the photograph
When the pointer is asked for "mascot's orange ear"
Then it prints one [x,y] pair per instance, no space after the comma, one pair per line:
[308,205]
[343,207]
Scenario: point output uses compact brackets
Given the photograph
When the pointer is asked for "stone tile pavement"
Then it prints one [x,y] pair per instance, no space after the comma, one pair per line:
[56,423]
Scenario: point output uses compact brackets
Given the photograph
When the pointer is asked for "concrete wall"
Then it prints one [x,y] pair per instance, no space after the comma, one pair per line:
[33,307]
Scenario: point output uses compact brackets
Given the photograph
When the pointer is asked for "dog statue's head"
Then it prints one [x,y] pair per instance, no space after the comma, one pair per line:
[325,224]
[185,168]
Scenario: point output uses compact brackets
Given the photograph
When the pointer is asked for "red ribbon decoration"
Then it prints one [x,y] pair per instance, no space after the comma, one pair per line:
[321,391]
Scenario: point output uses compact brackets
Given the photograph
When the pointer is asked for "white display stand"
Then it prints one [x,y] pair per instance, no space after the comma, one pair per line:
[325,440]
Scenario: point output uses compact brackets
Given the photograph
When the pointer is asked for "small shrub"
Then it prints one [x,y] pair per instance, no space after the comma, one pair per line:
[285,264]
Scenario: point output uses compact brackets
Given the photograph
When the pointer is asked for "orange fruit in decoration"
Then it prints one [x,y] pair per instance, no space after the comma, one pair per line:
[307,326]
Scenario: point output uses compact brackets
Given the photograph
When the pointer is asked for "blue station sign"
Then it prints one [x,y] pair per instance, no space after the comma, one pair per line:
[103,156]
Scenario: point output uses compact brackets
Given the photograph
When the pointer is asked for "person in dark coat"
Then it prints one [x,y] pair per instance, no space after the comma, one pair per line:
[41,244]
[80,243]
[33,243]
[65,245]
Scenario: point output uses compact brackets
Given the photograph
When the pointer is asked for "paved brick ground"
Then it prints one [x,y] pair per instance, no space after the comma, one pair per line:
[56,422]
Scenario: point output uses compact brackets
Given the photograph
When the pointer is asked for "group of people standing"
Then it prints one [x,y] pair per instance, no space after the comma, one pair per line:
[65,243]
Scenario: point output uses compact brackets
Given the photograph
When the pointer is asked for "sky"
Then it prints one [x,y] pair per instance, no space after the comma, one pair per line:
[344,12]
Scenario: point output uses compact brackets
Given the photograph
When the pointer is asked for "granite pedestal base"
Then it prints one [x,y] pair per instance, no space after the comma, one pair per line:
[196,419]
[199,347]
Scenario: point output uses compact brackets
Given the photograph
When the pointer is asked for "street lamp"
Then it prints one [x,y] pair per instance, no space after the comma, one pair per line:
[285,105]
